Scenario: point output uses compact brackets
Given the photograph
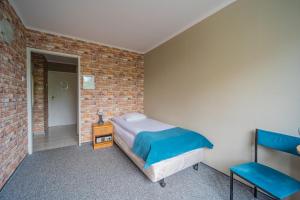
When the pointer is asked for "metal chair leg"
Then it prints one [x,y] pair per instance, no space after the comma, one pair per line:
[196,166]
[162,183]
[231,185]
[255,192]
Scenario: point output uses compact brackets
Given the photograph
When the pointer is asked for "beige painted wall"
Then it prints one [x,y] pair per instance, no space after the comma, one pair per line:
[231,73]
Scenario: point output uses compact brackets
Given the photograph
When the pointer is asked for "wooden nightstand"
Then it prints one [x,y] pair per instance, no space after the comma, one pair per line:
[102,135]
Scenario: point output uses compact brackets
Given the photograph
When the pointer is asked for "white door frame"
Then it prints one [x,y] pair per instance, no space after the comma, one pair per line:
[29,92]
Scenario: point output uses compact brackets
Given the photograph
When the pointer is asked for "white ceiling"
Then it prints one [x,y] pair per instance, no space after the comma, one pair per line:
[136,25]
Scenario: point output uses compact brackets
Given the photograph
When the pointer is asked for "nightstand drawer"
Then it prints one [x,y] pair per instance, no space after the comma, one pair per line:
[103,135]
[102,129]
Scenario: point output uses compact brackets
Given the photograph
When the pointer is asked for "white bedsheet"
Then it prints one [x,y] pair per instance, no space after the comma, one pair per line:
[147,124]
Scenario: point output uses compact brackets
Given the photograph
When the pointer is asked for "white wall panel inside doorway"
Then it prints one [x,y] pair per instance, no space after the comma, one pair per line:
[62,98]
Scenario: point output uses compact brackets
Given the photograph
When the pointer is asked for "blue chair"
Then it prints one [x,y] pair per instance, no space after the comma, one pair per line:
[274,183]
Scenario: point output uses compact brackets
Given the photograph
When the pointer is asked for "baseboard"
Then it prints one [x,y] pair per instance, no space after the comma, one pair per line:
[39,133]
[62,125]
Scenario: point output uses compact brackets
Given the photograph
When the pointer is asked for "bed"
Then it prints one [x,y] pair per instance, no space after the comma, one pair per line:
[125,133]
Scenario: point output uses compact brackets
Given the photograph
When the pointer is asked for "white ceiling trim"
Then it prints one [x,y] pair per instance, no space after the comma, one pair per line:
[203,17]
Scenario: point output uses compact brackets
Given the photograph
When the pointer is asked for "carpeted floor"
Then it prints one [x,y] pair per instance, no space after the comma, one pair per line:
[81,173]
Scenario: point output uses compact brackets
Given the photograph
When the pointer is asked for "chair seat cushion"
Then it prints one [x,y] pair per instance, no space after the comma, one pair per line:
[270,180]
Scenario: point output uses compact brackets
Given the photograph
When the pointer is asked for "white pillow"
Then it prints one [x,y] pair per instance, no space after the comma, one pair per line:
[134,116]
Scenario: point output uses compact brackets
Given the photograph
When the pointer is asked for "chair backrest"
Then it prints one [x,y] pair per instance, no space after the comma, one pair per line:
[276,141]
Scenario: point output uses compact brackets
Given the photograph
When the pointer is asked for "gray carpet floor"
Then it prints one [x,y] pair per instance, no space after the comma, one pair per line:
[81,173]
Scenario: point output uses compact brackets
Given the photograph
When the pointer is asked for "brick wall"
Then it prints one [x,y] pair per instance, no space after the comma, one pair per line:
[40,96]
[13,115]
[119,76]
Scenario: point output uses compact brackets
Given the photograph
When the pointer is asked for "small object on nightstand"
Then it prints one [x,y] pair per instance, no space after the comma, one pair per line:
[102,135]
[100,121]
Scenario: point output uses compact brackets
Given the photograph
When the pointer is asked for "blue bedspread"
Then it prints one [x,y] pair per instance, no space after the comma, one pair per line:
[153,147]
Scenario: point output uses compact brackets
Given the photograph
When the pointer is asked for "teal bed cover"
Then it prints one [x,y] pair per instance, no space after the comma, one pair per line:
[154,147]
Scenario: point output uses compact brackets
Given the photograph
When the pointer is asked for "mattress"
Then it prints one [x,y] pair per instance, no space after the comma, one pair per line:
[146,124]
[128,130]
[125,138]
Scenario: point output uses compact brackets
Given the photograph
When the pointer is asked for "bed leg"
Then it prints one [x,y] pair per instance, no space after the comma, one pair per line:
[255,192]
[196,166]
[231,185]
[162,183]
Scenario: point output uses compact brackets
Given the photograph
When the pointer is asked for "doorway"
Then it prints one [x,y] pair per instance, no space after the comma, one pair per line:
[53,102]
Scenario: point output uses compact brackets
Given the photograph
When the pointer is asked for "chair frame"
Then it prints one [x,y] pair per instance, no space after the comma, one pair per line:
[255,186]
